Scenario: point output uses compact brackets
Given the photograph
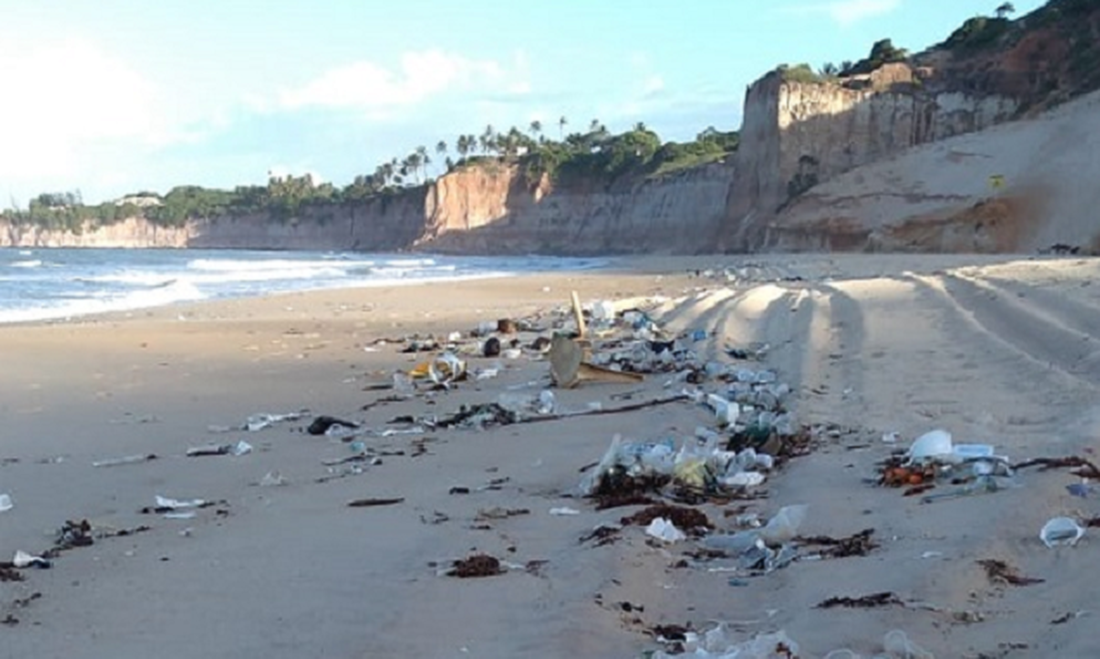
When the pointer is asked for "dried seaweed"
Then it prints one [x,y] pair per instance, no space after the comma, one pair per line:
[670,632]
[368,503]
[688,519]
[478,565]
[863,601]
[1000,572]
[857,544]
[603,535]
[1085,467]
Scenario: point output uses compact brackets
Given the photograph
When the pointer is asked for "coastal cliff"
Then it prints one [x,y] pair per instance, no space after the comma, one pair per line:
[796,135]
[496,211]
[482,209]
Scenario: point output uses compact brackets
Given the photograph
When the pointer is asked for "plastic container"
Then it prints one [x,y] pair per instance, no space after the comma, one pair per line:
[1060,531]
[930,446]
[784,526]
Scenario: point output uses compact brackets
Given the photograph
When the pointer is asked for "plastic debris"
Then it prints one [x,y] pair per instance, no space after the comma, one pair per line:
[240,448]
[23,560]
[717,644]
[783,527]
[1060,531]
[175,504]
[564,511]
[1079,490]
[272,479]
[125,460]
[181,514]
[6,503]
[930,446]
[444,369]
[258,422]
[324,425]
[664,530]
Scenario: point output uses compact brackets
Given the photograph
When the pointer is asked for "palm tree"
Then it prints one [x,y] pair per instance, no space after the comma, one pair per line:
[561,126]
[594,127]
[412,164]
[1004,10]
[640,127]
[441,148]
[490,138]
[462,146]
[536,128]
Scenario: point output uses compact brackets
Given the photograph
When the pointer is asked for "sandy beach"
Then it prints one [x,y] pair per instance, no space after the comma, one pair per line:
[995,350]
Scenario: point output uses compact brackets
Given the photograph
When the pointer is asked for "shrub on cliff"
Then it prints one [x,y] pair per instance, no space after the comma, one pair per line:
[883,51]
[977,33]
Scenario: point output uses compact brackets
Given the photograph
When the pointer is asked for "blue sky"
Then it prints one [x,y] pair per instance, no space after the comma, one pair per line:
[116,96]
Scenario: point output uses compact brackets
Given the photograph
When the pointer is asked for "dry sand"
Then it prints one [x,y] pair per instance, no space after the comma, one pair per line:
[994,350]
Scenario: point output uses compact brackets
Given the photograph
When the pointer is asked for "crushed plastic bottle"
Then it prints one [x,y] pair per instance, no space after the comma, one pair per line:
[664,530]
[1060,531]
[6,503]
[898,646]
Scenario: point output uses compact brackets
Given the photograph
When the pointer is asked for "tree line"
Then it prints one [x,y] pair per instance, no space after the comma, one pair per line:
[593,154]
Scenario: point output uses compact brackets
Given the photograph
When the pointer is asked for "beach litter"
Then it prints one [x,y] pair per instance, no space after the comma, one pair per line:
[1061,531]
[125,460]
[717,644]
[443,370]
[260,421]
[24,560]
[934,459]
[564,511]
[6,503]
[569,369]
[272,479]
[664,530]
[325,425]
[237,449]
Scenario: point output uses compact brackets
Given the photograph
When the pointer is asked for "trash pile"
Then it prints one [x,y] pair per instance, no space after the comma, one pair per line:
[935,459]
[717,643]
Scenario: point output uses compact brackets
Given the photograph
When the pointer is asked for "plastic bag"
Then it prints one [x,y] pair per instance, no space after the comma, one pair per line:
[783,527]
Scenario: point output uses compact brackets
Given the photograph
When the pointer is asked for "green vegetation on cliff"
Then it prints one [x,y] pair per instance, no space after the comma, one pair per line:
[595,157]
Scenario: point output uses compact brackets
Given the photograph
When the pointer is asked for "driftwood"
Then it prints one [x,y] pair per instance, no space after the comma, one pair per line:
[1084,466]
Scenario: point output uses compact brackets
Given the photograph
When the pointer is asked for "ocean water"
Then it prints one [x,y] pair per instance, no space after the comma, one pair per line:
[51,284]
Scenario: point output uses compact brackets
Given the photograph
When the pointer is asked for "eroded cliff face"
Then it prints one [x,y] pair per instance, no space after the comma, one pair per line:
[486,209]
[497,211]
[131,232]
[796,135]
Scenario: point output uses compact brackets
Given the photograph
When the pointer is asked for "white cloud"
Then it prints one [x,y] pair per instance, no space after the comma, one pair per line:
[420,75]
[61,95]
[653,85]
[847,12]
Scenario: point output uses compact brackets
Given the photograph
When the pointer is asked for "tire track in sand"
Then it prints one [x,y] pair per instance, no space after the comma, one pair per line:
[1002,370]
[1047,338]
